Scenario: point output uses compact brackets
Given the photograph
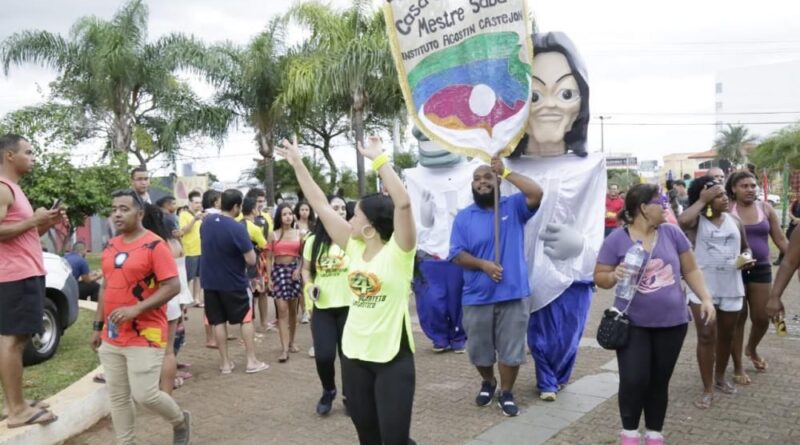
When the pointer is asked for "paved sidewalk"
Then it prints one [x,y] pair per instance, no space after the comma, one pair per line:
[277,406]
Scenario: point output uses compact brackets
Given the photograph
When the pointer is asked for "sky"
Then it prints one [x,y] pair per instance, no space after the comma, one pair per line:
[651,65]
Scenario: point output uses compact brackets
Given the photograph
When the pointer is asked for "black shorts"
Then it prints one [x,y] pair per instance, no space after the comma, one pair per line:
[227,307]
[760,273]
[22,306]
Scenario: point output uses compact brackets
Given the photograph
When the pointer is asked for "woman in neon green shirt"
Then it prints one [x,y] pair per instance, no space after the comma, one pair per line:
[325,268]
[380,241]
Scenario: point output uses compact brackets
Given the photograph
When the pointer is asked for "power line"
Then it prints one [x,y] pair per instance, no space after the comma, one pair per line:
[689,113]
[668,124]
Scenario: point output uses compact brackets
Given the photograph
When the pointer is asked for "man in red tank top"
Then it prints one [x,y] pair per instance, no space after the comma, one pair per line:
[22,288]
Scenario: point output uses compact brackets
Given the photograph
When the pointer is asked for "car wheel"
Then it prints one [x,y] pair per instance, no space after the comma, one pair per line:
[42,346]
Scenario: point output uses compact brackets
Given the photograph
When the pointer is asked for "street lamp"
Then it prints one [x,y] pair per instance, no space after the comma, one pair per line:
[602,133]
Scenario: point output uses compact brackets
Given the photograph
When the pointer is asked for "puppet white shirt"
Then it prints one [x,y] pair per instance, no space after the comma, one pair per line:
[574,195]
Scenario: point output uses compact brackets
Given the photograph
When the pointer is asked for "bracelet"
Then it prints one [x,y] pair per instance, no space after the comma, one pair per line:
[380,161]
[97,326]
[506,172]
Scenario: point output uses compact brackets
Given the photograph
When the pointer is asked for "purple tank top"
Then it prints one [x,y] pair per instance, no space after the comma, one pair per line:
[757,235]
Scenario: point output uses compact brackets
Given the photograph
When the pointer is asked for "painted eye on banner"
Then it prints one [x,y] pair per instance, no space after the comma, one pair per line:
[120,259]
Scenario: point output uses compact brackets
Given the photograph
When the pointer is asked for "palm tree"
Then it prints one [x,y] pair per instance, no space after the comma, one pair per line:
[731,143]
[249,81]
[119,84]
[779,150]
[345,61]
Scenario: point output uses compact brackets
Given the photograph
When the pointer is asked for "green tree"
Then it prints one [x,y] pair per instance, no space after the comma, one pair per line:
[121,87]
[249,81]
[624,178]
[778,150]
[345,61]
[83,191]
[317,128]
[731,143]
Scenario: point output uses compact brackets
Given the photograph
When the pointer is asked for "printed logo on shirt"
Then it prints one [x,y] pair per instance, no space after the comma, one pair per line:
[657,275]
[330,265]
[366,287]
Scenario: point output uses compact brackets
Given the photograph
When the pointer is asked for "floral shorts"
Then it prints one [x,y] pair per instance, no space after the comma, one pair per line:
[283,286]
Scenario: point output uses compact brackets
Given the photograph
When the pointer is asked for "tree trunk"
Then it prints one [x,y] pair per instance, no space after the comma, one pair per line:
[266,150]
[358,129]
[333,172]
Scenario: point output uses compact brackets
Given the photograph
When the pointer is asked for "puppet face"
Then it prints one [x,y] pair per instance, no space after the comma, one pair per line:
[555,102]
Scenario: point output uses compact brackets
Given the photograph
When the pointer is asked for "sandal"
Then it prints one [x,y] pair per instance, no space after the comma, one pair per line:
[99,378]
[760,363]
[33,404]
[224,371]
[705,401]
[177,383]
[742,379]
[725,387]
[36,419]
[294,349]
[284,357]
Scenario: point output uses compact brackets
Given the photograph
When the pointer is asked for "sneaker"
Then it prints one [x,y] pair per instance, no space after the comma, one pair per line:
[506,403]
[304,318]
[626,439]
[182,434]
[653,439]
[325,402]
[311,352]
[486,394]
[460,350]
[548,396]
[439,349]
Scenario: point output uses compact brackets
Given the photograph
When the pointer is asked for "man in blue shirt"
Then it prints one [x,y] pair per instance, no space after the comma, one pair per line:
[88,287]
[226,252]
[494,299]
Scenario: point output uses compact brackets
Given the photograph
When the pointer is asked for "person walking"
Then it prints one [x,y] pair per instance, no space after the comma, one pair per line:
[306,220]
[227,251]
[377,342]
[658,314]
[760,224]
[495,304]
[719,242]
[189,223]
[22,286]
[326,287]
[285,276]
[130,330]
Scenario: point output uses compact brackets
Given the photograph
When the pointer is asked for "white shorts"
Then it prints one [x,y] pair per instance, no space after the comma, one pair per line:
[174,309]
[185,295]
[724,304]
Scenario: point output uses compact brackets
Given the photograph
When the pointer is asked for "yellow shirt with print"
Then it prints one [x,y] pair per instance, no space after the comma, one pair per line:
[266,217]
[256,234]
[331,275]
[190,239]
[378,314]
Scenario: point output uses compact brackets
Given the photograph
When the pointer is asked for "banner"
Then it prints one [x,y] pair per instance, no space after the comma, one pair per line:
[465,70]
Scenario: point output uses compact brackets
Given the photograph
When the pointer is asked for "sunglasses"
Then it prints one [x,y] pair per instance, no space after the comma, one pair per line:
[661,201]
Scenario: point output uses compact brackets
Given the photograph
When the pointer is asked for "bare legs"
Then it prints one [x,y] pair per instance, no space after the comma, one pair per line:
[11,347]
[756,296]
[508,375]
[287,325]
[169,369]
[713,340]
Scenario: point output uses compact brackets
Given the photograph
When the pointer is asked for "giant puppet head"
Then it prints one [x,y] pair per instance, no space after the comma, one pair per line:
[559,117]
[431,155]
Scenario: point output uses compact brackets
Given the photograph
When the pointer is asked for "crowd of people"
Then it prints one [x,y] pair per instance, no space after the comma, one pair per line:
[720,246]
[350,269]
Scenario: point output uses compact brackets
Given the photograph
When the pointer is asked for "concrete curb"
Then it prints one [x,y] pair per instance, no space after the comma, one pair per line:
[78,407]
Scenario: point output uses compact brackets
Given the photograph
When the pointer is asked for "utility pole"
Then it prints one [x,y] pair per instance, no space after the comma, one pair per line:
[602,133]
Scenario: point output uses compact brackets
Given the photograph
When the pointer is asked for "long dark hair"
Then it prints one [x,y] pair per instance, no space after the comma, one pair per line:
[278,220]
[379,210]
[153,220]
[322,241]
[698,185]
[637,195]
[312,218]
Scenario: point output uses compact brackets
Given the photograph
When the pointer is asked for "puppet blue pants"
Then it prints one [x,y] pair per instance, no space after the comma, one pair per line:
[438,295]
[554,333]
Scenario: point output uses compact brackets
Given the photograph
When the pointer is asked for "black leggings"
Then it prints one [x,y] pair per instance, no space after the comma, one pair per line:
[327,326]
[380,397]
[645,367]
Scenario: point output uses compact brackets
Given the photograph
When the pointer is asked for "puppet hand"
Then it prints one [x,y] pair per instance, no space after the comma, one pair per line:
[561,242]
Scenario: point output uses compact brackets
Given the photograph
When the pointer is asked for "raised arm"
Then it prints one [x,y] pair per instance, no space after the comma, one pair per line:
[338,228]
[405,230]
[532,191]
[688,219]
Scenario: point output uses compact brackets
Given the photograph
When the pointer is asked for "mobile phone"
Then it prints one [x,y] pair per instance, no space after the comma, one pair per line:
[315,293]
[56,204]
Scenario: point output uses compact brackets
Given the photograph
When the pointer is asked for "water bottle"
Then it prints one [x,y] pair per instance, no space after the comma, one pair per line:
[113,331]
[633,262]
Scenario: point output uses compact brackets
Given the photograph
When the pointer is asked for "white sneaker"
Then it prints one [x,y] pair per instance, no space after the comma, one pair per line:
[304,318]
[311,352]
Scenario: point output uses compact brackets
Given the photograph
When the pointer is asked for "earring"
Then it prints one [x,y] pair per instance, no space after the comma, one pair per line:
[365,236]
[708,212]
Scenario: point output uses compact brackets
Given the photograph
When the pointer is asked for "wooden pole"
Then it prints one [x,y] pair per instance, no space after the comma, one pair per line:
[497,221]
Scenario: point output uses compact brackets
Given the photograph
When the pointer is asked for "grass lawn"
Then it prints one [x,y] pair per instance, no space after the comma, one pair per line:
[94,260]
[72,361]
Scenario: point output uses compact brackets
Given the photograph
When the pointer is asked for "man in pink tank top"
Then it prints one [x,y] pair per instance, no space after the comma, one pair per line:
[22,288]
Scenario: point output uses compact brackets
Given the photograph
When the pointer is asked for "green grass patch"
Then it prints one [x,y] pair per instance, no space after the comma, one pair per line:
[72,361]
[94,260]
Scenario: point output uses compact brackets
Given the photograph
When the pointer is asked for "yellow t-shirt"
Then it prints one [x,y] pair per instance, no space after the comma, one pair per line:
[331,275]
[190,239]
[379,310]
[256,234]
[266,217]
